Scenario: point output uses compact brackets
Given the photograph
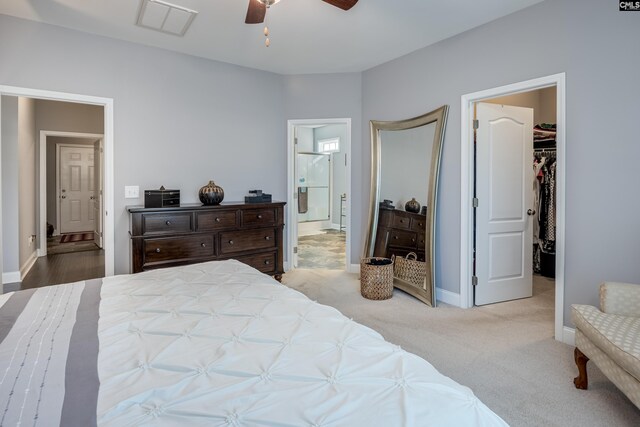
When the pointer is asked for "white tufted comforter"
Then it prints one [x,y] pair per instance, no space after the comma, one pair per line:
[220,344]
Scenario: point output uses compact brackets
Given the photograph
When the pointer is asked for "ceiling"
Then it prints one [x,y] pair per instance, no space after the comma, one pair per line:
[307,36]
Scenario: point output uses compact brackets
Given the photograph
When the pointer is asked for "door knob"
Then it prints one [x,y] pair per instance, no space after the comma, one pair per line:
[531,212]
[64,197]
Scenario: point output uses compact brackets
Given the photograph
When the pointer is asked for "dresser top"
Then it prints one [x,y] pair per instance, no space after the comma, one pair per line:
[200,206]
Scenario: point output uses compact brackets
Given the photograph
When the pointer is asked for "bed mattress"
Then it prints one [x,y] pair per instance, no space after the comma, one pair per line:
[212,344]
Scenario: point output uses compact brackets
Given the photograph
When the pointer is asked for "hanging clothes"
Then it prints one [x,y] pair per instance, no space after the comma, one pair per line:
[545,229]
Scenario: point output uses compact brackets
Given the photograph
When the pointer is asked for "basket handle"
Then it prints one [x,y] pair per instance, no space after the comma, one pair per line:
[415,257]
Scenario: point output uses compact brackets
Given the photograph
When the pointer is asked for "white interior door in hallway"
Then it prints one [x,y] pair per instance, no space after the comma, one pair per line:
[76,185]
[504,177]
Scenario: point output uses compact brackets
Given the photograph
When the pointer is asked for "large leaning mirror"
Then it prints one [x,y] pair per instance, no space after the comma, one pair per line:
[405,163]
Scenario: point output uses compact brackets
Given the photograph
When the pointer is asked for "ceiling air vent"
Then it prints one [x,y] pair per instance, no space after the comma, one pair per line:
[165,17]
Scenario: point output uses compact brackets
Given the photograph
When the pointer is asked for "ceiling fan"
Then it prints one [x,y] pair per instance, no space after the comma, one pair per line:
[258,8]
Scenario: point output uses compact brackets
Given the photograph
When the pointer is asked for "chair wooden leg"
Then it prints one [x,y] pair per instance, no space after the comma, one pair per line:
[581,381]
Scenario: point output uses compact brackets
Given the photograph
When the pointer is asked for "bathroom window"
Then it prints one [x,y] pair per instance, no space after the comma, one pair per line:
[331,145]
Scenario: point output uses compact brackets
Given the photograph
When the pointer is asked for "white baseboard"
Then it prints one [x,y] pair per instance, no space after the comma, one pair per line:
[448,297]
[353,268]
[11,277]
[24,270]
[285,265]
[569,336]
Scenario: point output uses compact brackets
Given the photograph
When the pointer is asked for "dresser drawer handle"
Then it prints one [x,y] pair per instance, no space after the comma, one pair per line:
[168,222]
[267,237]
[267,262]
[420,224]
[395,237]
[259,216]
[157,250]
[204,245]
[217,219]
[413,240]
[231,242]
[402,221]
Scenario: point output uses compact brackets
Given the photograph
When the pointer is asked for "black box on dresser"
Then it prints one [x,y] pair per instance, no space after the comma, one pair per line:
[170,236]
[161,198]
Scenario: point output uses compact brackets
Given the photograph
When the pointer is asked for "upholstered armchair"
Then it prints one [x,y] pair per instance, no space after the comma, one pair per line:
[610,337]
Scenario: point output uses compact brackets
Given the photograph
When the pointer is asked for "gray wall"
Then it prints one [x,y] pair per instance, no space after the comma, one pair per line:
[305,139]
[26,179]
[10,217]
[583,39]
[179,120]
[329,96]
[339,185]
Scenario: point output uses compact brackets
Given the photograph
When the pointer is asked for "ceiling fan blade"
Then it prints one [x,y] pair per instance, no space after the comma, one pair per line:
[255,12]
[342,4]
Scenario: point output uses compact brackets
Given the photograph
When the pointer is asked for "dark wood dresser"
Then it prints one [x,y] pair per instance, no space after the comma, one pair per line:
[399,233]
[248,232]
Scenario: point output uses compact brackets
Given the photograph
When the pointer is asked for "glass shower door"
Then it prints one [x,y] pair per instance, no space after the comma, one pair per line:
[313,187]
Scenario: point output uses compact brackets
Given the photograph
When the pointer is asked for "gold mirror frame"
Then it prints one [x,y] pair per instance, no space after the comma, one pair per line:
[427,293]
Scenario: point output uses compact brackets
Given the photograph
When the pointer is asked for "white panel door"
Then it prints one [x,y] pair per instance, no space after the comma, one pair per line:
[504,187]
[77,189]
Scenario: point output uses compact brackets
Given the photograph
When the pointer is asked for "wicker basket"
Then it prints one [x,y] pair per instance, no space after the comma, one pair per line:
[410,269]
[376,281]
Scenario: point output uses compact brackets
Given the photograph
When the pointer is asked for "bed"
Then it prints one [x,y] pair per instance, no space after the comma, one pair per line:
[211,344]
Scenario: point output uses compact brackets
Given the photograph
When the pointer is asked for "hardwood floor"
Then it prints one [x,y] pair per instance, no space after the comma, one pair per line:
[62,268]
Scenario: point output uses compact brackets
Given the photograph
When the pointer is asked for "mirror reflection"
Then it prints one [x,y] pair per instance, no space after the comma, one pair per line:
[405,168]
[405,165]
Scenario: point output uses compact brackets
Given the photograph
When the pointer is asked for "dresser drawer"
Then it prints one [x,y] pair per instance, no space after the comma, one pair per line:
[265,263]
[403,238]
[253,217]
[167,223]
[419,224]
[401,221]
[237,241]
[211,221]
[178,248]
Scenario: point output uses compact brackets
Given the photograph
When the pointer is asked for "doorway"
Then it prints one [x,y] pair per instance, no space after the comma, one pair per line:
[107,219]
[319,175]
[82,229]
[468,218]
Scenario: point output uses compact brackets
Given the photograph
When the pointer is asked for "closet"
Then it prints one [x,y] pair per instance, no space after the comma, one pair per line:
[540,178]
[544,188]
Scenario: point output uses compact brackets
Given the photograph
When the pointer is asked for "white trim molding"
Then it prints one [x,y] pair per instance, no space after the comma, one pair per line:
[353,268]
[447,297]
[292,213]
[569,335]
[11,277]
[108,191]
[26,267]
[466,183]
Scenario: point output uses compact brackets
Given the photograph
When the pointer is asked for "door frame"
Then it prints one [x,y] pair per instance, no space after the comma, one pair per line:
[292,212]
[467,181]
[108,219]
[58,146]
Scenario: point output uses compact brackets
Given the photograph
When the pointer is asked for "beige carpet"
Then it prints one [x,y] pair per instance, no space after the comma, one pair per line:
[504,352]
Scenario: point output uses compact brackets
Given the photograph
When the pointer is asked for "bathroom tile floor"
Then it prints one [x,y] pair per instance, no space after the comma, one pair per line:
[325,250]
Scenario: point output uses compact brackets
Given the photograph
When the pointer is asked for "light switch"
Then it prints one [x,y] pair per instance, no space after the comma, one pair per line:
[131,192]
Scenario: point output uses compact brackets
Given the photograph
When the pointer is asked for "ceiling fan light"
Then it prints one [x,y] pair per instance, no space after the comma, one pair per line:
[266,31]
[267,42]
